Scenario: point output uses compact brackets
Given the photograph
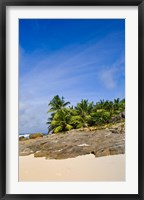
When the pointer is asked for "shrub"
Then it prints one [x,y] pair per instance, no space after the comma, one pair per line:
[35,135]
[22,138]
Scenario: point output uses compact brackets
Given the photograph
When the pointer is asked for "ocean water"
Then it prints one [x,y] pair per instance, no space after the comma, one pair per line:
[26,135]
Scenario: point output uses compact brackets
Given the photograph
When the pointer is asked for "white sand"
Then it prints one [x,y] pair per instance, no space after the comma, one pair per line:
[82,168]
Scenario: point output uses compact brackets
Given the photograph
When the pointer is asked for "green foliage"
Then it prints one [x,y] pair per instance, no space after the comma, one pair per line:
[22,138]
[62,120]
[76,121]
[84,114]
[57,103]
[58,129]
[103,117]
[83,109]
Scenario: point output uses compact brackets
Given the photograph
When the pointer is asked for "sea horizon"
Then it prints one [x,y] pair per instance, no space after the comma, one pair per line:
[27,134]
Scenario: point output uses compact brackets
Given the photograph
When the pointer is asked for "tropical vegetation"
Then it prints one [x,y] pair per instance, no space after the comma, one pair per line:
[84,114]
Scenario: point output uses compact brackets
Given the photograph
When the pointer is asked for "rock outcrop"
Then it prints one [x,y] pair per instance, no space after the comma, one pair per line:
[103,142]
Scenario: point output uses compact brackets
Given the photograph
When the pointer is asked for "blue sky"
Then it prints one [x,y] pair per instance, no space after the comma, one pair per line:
[75,58]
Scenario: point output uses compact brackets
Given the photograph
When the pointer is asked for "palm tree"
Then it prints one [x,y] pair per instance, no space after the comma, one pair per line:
[108,105]
[104,105]
[116,106]
[84,108]
[122,105]
[76,121]
[50,127]
[57,103]
[84,114]
[61,121]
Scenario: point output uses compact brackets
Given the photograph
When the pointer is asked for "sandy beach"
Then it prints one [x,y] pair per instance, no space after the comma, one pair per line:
[81,168]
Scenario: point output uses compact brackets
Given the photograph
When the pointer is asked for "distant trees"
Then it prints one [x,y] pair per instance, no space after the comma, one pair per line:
[83,110]
[84,114]
[57,103]
[56,107]
[61,120]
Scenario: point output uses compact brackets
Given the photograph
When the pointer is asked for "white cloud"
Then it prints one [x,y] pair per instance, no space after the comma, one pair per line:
[61,73]
[109,75]
[33,117]
[108,78]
